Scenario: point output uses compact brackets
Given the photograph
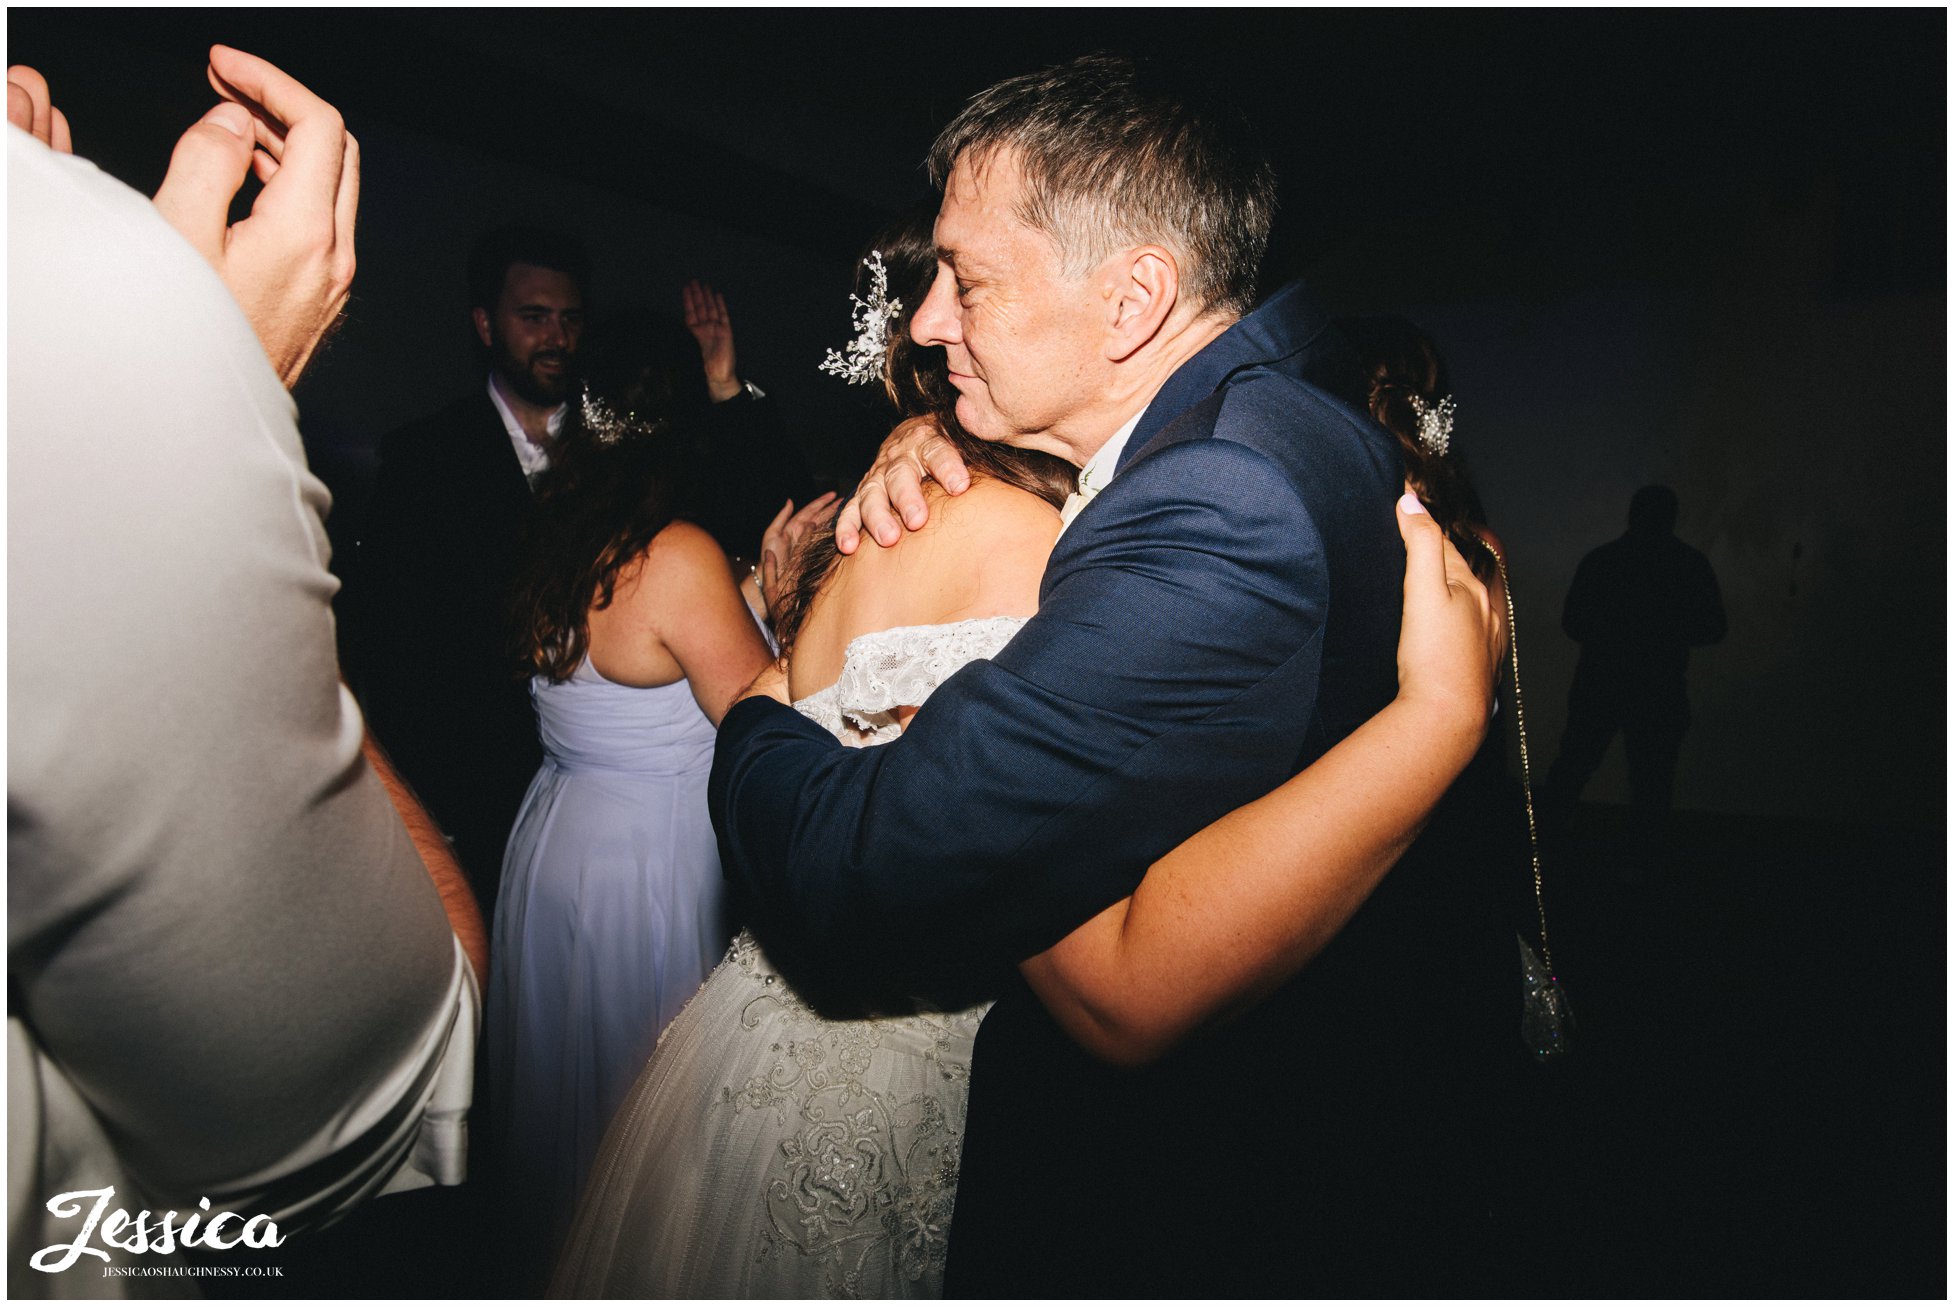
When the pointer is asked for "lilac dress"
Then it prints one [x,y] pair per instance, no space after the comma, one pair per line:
[610,917]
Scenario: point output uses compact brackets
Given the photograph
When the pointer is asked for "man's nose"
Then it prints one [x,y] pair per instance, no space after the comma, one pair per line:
[935,321]
[556,333]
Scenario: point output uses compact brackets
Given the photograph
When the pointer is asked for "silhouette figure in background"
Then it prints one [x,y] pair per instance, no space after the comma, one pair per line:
[1636,608]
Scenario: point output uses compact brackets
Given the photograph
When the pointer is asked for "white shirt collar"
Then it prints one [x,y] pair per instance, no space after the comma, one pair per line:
[535,458]
[1099,469]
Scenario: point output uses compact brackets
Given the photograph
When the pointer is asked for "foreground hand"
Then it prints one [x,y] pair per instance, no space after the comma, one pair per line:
[781,543]
[1454,634]
[706,318]
[890,496]
[290,263]
[30,107]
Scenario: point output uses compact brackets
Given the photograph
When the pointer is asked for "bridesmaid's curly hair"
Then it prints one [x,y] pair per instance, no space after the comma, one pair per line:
[917,381]
[1400,362]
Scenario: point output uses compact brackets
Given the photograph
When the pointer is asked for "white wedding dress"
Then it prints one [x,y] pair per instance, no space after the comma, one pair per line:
[769,1152]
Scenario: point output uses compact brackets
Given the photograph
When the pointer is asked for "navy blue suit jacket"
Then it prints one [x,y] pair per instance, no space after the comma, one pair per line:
[1224,612]
[1221,614]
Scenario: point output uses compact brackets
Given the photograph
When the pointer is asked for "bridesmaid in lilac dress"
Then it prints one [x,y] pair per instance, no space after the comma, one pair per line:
[610,913]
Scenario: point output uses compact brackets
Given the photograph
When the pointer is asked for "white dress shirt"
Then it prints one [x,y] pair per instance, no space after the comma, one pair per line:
[1098,472]
[535,458]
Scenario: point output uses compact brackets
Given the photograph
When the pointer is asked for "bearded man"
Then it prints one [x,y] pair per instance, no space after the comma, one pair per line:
[429,649]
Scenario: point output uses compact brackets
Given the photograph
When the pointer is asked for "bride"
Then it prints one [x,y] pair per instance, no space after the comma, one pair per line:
[769,1151]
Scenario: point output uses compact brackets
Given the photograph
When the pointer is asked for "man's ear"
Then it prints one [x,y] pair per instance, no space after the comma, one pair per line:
[1146,286]
[482,327]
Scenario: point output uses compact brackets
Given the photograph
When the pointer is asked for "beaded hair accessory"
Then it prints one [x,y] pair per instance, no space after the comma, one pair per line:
[1434,424]
[861,363]
[605,424]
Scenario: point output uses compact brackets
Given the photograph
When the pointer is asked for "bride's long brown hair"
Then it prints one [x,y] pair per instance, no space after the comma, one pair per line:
[917,382]
[1399,363]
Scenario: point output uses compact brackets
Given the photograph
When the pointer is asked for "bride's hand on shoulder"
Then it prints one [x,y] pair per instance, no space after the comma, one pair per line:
[780,547]
[1453,640]
[889,499]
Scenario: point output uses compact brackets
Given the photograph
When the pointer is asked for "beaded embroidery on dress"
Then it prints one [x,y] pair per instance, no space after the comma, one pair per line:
[898,668]
[767,1151]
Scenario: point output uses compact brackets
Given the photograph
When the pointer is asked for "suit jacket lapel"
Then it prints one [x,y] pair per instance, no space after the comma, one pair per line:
[495,456]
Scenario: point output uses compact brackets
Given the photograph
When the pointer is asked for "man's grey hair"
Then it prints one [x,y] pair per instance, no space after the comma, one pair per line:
[1111,160]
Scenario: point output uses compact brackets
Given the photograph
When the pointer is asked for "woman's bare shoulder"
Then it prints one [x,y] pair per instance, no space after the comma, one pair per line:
[993,510]
[678,561]
[980,554]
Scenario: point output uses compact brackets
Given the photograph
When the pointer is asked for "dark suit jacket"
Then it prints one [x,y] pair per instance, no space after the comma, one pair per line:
[1225,611]
[429,599]
[739,467]
[1184,659]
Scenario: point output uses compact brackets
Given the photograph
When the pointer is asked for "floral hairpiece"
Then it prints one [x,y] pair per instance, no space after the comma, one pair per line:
[861,363]
[1434,424]
[605,424]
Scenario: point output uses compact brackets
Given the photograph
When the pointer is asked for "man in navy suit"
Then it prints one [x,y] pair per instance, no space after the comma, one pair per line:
[1221,609]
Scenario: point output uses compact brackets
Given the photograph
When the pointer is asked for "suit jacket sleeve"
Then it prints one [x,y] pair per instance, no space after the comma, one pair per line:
[405,580]
[743,467]
[1168,677]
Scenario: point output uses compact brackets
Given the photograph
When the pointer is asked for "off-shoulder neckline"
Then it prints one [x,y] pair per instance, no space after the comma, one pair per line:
[848,654]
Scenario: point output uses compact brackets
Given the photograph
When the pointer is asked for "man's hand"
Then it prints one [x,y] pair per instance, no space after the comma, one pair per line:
[707,320]
[290,263]
[890,496]
[30,107]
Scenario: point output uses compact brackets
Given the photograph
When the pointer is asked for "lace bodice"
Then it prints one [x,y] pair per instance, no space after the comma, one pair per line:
[900,667]
[769,1152]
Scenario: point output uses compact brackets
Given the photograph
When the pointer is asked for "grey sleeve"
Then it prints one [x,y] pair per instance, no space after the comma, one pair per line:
[218,928]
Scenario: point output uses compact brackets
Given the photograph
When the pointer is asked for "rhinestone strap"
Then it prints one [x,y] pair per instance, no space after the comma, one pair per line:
[1526,766]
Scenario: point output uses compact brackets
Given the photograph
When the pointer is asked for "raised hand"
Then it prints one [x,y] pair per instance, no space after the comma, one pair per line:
[30,107]
[707,320]
[890,499]
[290,263]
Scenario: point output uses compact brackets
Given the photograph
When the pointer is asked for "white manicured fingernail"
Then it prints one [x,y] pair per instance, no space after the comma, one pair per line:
[1410,505]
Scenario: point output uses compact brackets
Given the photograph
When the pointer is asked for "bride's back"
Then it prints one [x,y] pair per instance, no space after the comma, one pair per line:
[981,554]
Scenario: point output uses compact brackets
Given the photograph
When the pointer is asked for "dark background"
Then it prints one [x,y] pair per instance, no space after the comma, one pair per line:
[1702,247]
